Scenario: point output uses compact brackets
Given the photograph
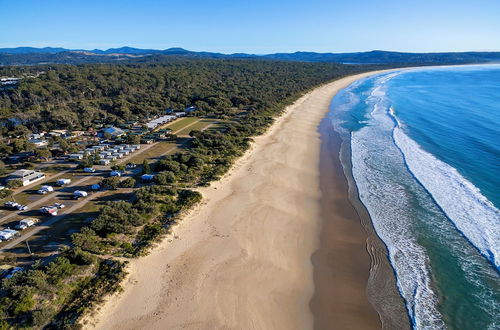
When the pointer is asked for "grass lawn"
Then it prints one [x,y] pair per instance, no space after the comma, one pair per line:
[154,152]
[197,126]
[219,126]
[179,124]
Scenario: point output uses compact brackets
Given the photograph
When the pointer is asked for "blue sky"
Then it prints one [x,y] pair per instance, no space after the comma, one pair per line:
[254,26]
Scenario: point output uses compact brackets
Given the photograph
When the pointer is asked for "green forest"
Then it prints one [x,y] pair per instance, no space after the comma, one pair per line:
[76,97]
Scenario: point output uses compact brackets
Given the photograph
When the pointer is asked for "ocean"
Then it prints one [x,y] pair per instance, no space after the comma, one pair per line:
[424,148]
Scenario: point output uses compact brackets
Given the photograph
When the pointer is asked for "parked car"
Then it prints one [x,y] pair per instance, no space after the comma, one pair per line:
[95,186]
[25,223]
[49,210]
[131,165]
[22,207]
[115,173]
[89,170]
[45,189]
[62,182]
[11,205]
[7,234]
[77,194]
[59,205]
[15,206]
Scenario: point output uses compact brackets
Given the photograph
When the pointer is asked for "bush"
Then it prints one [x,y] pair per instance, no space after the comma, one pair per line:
[86,239]
[23,304]
[117,217]
[165,178]
[112,182]
[146,169]
[128,183]
[12,184]
[80,257]
[42,316]
[188,198]
[120,168]
[59,269]
[5,193]
[4,325]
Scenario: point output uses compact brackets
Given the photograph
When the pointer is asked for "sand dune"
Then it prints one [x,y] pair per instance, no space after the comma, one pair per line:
[242,259]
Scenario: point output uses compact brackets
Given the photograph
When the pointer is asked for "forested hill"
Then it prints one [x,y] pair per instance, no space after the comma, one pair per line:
[76,97]
[33,56]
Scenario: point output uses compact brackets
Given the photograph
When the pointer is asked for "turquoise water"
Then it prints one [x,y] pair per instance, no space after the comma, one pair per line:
[425,153]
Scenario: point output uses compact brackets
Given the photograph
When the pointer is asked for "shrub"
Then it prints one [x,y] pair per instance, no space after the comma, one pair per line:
[112,182]
[80,257]
[59,269]
[86,239]
[120,168]
[12,184]
[5,193]
[165,178]
[128,183]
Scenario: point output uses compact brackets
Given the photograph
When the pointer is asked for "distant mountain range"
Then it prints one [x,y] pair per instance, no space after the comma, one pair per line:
[50,55]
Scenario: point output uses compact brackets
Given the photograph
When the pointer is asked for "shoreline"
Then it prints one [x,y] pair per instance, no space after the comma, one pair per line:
[242,257]
[372,295]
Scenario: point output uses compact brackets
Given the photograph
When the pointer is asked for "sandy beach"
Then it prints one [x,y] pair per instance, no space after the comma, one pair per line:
[242,259]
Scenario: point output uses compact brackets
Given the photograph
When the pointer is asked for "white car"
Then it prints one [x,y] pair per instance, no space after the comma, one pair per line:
[11,205]
[59,205]
[62,182]
[22,207]
[89,170]
[77,194]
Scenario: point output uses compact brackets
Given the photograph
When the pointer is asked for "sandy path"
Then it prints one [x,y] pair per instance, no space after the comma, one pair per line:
[241,259]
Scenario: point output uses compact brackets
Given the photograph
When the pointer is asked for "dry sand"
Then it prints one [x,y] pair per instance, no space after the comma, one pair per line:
[242,258]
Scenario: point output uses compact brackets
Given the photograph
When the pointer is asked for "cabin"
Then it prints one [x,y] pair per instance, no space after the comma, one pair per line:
[19,157]
[104,161]
[78,156]
[26,176]
[60,132]
[39,143]
[114,132]
[160,121]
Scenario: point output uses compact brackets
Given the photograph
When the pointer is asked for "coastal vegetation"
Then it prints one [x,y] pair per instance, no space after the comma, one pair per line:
[55,292]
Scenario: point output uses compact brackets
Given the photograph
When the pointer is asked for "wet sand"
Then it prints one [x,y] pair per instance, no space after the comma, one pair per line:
[242,258]
[342,265]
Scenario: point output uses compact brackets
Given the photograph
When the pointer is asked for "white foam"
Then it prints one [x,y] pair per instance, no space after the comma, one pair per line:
[471,212]
[384,190]
[388,202]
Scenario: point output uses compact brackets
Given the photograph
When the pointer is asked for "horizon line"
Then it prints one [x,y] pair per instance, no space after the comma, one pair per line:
[255,54]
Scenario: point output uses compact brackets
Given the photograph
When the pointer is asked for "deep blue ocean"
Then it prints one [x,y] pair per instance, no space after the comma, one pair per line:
[425,154]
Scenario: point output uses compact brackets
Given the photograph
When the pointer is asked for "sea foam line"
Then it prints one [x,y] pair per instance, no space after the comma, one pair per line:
[462,202]
[387,202]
